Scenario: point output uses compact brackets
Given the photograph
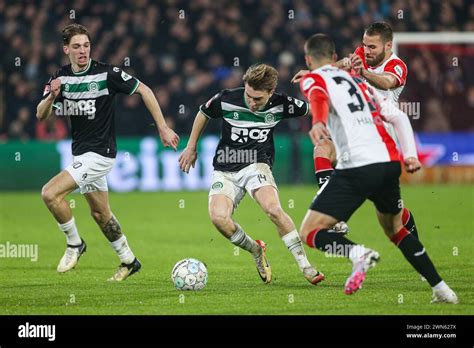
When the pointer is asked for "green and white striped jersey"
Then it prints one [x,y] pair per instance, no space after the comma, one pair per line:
[87,98]
[245,131]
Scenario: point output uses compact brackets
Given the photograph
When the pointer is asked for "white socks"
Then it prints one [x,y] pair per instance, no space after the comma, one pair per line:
[441,286]
[123,250]
[242,240]
[293,243]
[70,230]
[356,252]
[120,245]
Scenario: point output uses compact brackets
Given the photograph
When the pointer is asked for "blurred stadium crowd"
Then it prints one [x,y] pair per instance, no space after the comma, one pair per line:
[188,50]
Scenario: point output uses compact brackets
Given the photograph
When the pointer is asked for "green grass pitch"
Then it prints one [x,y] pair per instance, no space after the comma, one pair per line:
[163,228]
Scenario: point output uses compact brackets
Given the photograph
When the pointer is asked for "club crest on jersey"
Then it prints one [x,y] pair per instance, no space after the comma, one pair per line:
[217,185]
[66,87]
[269,118]
[93,86]
[125,76]
[398,70]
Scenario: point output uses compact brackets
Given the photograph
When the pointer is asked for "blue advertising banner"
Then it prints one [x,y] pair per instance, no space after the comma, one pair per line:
[455,149]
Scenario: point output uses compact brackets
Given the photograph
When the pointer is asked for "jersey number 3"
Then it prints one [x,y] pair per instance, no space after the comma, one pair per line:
[359,106]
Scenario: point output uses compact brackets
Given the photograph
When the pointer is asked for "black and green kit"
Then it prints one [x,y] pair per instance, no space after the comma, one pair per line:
[87,98]
[243,129]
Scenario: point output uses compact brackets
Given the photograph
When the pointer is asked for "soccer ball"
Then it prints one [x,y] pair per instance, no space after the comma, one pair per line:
[189,274]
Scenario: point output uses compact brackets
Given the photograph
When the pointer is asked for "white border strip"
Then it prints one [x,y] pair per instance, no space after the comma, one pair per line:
[432,37]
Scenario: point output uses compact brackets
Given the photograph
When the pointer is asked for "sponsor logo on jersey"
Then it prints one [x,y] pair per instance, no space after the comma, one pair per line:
[242,135]
[116,69]
[76,108]
[125,76]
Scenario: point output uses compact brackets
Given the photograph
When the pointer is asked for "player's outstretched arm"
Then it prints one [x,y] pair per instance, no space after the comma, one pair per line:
[344,63]
[167,135]
[45,106]
[393,115]
[299,75]
[189,156]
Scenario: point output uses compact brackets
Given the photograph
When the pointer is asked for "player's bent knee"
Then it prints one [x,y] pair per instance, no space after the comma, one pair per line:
[304,231]
[45,195]
[389,224]
[48,195]
[101,217]
[274,211]
[219,218]
[391,231]
[310,223]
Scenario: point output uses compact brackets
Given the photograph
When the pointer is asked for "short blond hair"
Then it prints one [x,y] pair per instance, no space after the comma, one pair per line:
[261,77]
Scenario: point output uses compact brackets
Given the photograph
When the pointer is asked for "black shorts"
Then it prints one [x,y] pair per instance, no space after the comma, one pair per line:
[347,189]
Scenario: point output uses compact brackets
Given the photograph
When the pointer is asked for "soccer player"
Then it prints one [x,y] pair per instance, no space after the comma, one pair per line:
[368,167]
[84,91]
[243,162]
[375,61]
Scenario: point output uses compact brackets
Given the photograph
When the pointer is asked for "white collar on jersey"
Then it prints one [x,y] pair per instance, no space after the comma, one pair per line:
[324,66]
[82,71]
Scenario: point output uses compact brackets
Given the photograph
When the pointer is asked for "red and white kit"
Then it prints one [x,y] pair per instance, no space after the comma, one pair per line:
[395,66]
[354,113]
